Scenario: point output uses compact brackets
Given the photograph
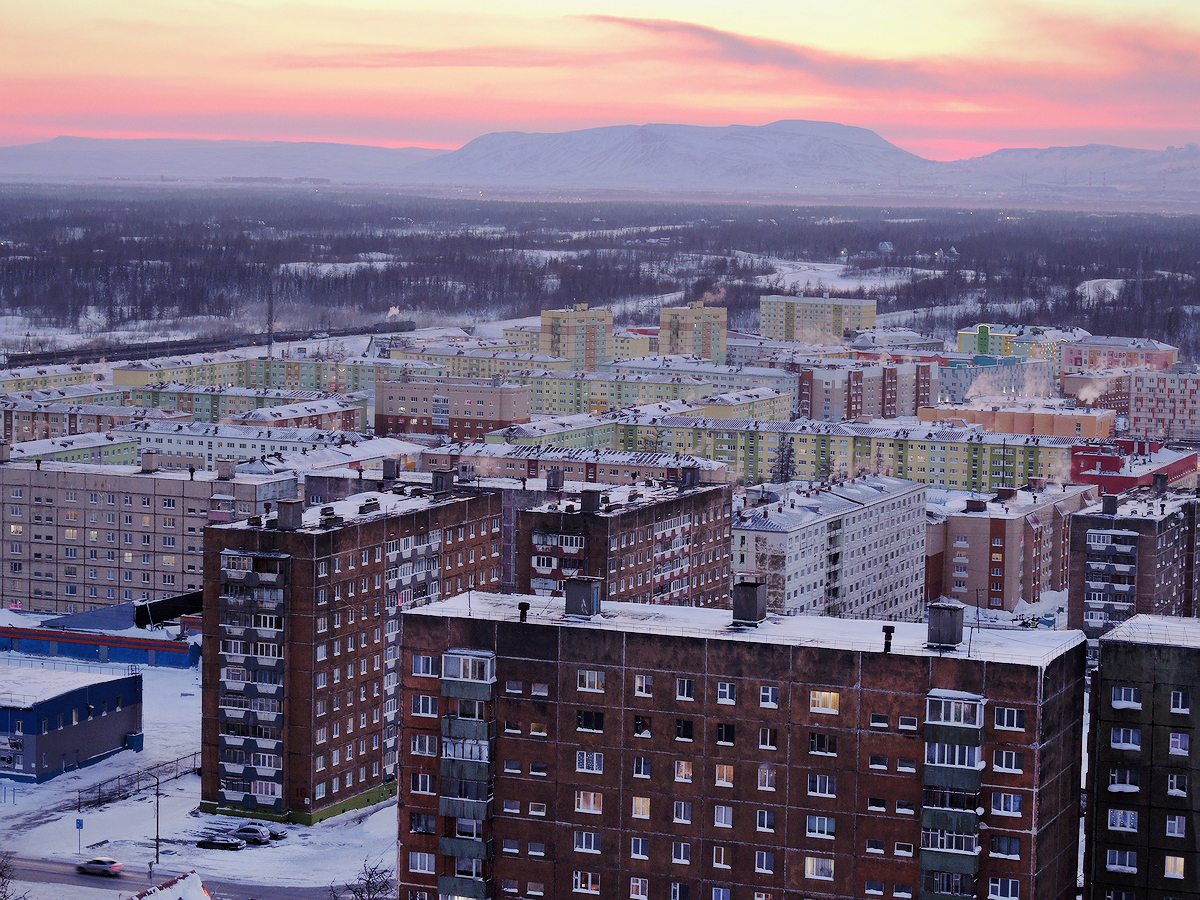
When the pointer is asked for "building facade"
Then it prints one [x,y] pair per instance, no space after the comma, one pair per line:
[462,409]
[581,335]
[1132,554]
[300,624]
[695,329]
[1143,775]
[649,544]
[1102,352]
[855,549]
[655,752]
[817,320]
[77,537]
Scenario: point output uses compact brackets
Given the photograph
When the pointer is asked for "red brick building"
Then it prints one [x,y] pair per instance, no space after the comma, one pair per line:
[655,752]
[463,409]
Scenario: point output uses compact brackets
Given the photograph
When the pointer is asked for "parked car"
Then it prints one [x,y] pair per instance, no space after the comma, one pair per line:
[100,865]
[252,834]
[220,842]
[276,832]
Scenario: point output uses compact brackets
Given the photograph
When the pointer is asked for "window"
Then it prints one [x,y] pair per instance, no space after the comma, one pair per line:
[766,777]
[874,845]
[1121,861]
[422,783]
[822,785]
[1181,701]
[879,720]
[641,726]
[764,861]
[424,745]
[1126,698]
[586,882]
[820,826]
[1180,742]
[953,712]
[539,690]
[638,888]
[589,720]
[1009,718]
[589,802]
[765,820]
[768,738]
[873,887]
[679,891]
[1006,804]
[822,744]
[426,665]
[1176,785]
[724,775]
[587,841]
[683,770]
[684,729]
[1127,738]
[824,702]
[421,862]
[1008,761]
[422,823]
[720,893]
[961,756]
[591,680]
[1006,846]
[586,761]
[1173,867]
[643,685]
[639,848]
[537,809]
[1003,889]
[818,867]
[1123,780]
[424,705]
[682,811]
[908,723]
[681,853]
[726,692]
[1122,820]
[1176,826]
[685,689]
[641,807]
[725,731]
[768,696]
[723,816]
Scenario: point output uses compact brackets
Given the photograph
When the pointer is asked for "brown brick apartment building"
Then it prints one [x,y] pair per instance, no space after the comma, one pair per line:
[659,752]
[462,409]
[653,544]
[300,625]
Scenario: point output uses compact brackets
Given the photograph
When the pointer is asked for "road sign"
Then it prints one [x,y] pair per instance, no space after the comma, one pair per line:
[79,824]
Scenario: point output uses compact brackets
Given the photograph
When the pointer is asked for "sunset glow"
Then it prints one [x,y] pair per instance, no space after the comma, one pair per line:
[940,78]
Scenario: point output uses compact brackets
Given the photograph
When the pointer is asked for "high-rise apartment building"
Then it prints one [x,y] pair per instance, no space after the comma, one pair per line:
[659,752]
[1143,776]
[1132,554]
[301,646]
[78,536]
[693,330]
[855,549]
[652,544]
[582,335]
[462,409]
[814,319]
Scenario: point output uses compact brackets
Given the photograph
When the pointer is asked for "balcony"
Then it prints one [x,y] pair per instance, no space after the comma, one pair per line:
[452,886]
[465,848]
[458,808]
[950,861]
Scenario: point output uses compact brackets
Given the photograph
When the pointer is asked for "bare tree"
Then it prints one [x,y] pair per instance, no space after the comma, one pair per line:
[374,882]
[7,876]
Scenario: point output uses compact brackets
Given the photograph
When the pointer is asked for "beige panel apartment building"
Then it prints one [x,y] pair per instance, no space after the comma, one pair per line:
[78,536]
[582,335]
[815,319]
[695,330]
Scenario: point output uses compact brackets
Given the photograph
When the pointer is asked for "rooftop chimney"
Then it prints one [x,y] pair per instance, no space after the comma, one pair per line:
[1109,504]
[1160,482]
[888,631]
[749,602]
[149,461]
[5,451]
[225,466]
[590,500]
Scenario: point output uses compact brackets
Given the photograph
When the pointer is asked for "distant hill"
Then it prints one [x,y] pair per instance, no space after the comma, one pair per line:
[788,161]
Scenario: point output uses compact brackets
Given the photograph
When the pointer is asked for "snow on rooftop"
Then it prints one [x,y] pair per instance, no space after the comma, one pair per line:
[1033,647]
[22,687]
[1170,631]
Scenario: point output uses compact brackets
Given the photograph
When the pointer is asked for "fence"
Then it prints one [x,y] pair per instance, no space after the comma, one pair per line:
[124,786]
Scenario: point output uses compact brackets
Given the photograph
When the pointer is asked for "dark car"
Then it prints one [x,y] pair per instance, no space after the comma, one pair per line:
[100,865]
[220,842]
[276,832]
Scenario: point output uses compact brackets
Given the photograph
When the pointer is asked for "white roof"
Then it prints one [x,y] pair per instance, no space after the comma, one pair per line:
[28,685]
[1168,631]
[1023,646]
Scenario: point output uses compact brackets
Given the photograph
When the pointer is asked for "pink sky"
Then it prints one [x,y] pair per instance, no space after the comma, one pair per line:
[941,78]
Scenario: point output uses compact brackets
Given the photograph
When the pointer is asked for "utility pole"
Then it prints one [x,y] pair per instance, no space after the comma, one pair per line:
[157,796]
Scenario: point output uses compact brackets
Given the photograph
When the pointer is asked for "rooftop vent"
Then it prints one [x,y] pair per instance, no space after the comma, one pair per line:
[749,602]
[291,514]
[1109,504]
[945,624]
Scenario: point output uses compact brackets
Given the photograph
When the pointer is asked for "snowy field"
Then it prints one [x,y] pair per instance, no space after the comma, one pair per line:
[40,824]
